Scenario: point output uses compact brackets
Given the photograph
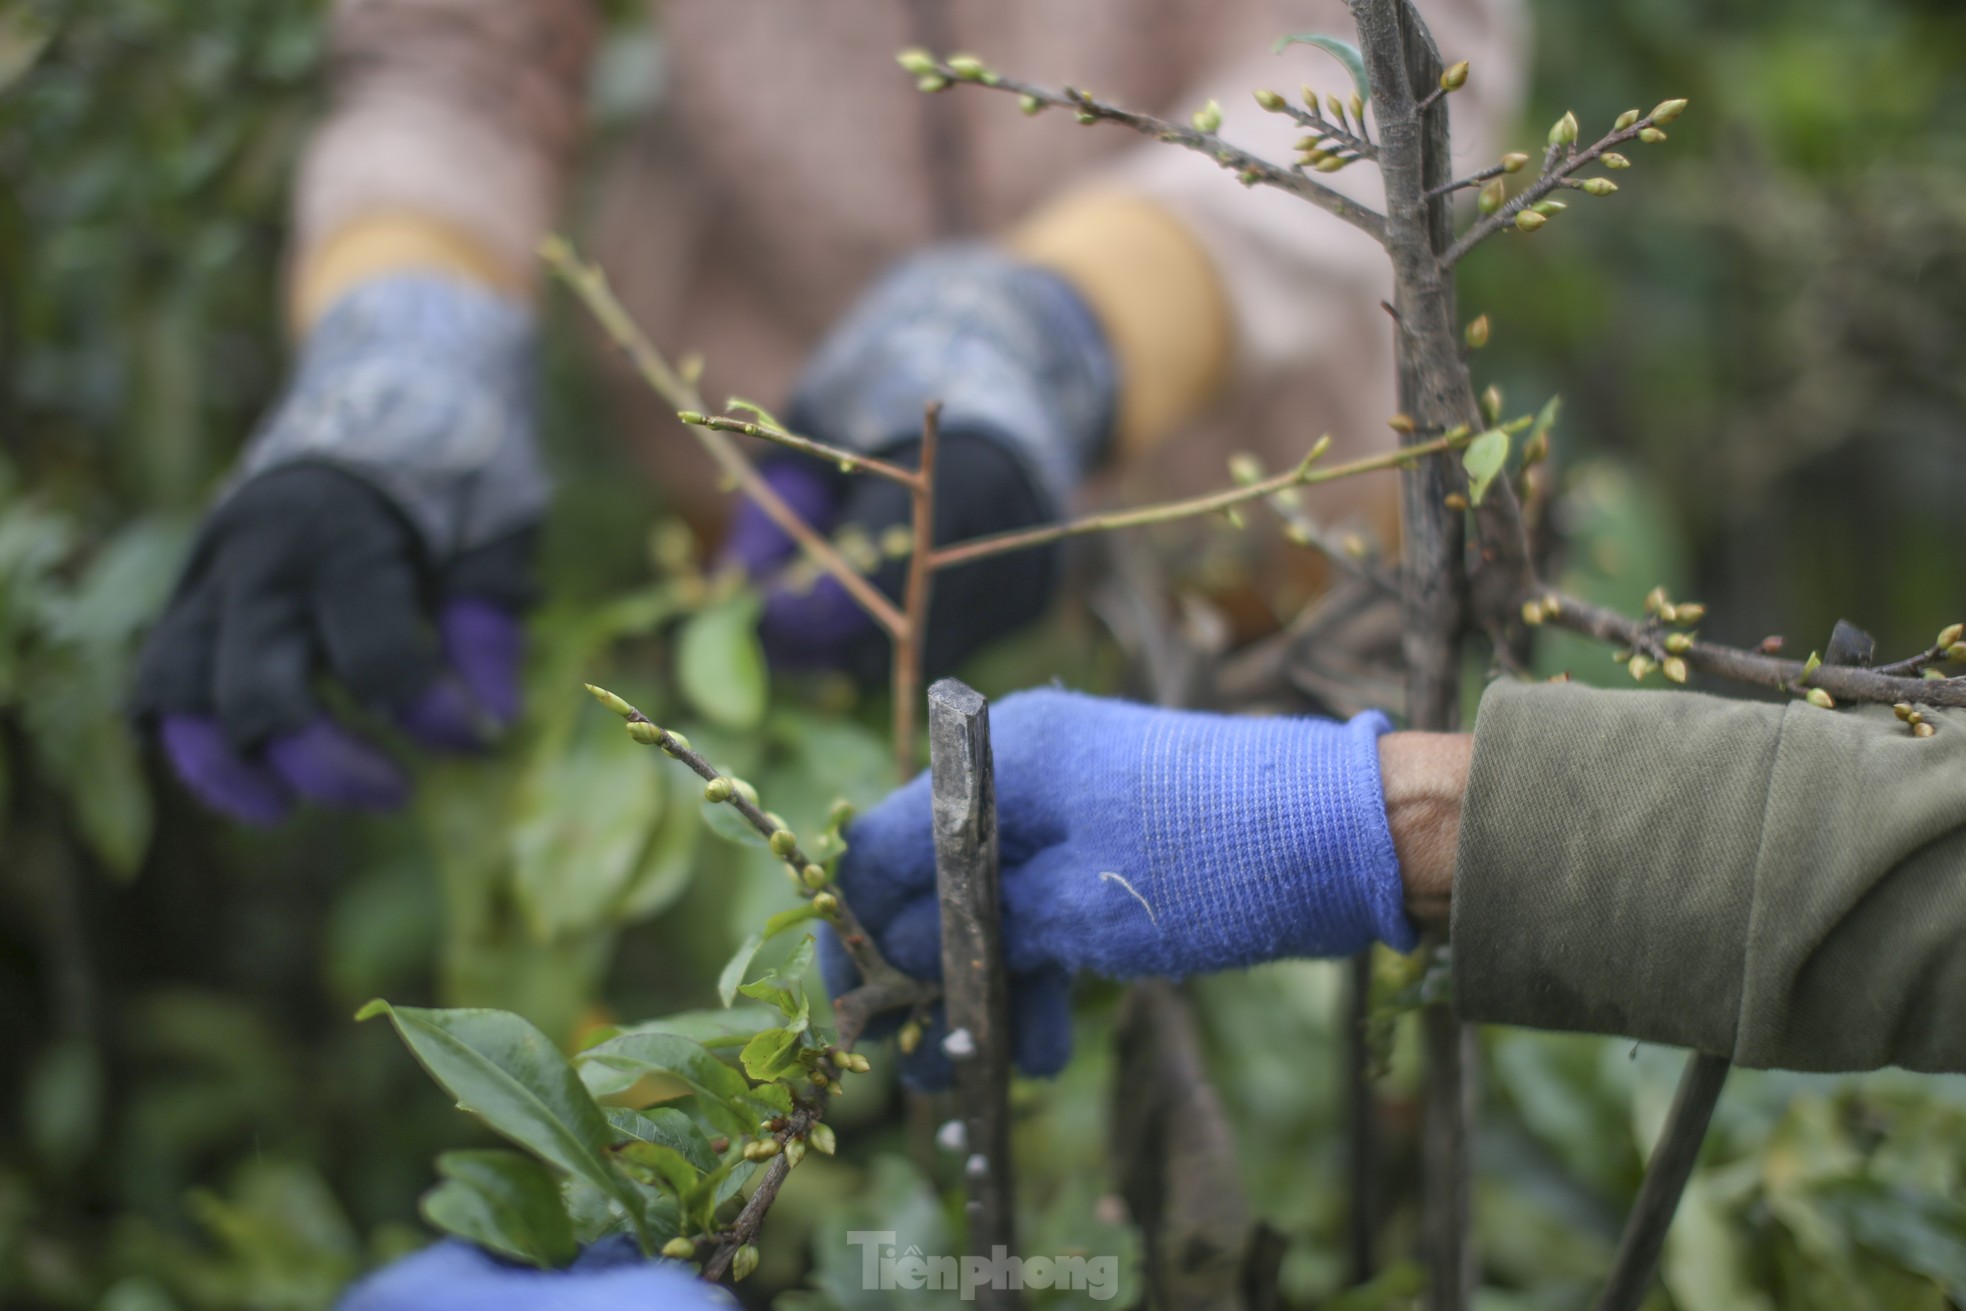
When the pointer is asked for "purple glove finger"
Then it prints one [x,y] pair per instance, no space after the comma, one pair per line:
[810,629]
[759,546]
[454,1276]
[445,718]
[486,645]
[222,779]
[326,763]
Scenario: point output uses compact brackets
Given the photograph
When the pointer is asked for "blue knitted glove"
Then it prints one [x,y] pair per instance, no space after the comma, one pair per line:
[1138,841]
[609,1276]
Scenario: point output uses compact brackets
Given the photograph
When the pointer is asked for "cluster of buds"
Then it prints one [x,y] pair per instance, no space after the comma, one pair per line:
[1950,644]
[1684,613]
[1537,609]
[931,75]
[1913,719]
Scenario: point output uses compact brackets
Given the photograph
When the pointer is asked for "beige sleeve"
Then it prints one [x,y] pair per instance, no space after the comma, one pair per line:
[447,141]
[1301,283]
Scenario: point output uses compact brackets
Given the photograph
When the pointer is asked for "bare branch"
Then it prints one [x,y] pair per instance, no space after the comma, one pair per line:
[1252,169]
[591,285]
[848,461]
[906,676]
[1304,475]
[1559,166]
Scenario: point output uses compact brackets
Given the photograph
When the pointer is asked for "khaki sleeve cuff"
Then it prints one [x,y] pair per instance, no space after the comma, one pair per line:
[1155,293]
[376,245]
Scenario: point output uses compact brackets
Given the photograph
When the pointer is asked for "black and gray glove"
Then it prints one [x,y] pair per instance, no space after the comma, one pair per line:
[378,530]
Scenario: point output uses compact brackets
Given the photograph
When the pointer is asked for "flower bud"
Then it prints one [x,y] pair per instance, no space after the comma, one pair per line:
[1208,118]
[644,732]
[1331,164]
[932,83]
[813,876]
[1674,668]
[743,1262]
[1949,634]
[679,1249]
[1922,729]
[1549,208]
[1086,117]
[1529,220]
[1455,77]
[1245,468]
[826,903]
[1613,160]
[822,1139]
[795,1151]
[1667,110]
[969,68]
[1651,136]
[1491,403]
[1563,132]
[1536,450]
[1956,652]
[1597,186]
[622,708]
[908,1038]
[1513,161]
[1030,104]
[1625,120]
[717,790]
[1270,100]
[744,789]
[1401,423]
[1532,613]
[841,1058]
[1820,699]
[1639,666]
[916,61]
[676,744]
[1689,612]
[859,1064]
[783,842]
[1455,502]
[1357,106]
[1679,643]
[1336,106]
[1490,197]
[1655,600]
[1477,333]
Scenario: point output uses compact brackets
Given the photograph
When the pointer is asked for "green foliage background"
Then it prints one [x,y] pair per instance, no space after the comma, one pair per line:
[1759,342]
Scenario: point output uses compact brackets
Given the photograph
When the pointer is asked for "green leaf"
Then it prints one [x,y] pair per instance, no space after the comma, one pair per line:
[635,1054]
[1483,459]
[503,1201]
[666,1127]
[1346,53]
[586,815]
[752,407]
[771,1055]
[786,919]
[666,867]
[1545,419]
[668,1168]
[506,1072]
[720,666]
[733,975]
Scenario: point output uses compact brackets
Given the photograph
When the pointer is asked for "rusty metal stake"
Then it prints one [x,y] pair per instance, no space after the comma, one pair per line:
[974,988]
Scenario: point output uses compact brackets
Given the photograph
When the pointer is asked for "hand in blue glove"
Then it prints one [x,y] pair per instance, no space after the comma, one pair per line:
[1027,386]
[1138,841]
[379,530]
[609,1276]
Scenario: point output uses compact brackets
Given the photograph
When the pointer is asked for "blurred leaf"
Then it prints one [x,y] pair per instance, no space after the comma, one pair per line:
[1917,1231]
[720,665]
[61,1106]
[503,1201]
[734,969]
[587,814]
[1483,459]
[505,1071]
[1345,52]
[666,867]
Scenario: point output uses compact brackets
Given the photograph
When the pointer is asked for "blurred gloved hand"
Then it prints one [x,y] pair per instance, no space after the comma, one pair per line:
[379,531]
[609,1276]
[1027,386]
[1138,841]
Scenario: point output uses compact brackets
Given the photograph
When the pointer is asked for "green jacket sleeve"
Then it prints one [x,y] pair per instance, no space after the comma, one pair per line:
[1776,883]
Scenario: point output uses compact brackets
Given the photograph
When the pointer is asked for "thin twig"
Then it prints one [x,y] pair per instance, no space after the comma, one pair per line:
[1357,142]
[1556,171]
[1304,475]
[1665,1180]
[591,285]
[1253,169]
[1471,180]
[1851,683]
[848,461]
[874,969]
[908,646]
